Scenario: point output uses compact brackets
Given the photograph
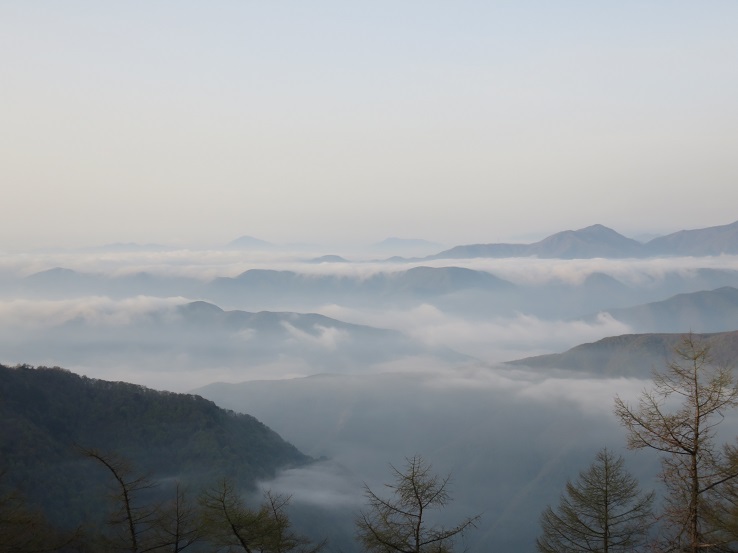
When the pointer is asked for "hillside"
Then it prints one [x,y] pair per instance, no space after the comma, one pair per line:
[722,239]
[48,412]
[703,311]
[631,354]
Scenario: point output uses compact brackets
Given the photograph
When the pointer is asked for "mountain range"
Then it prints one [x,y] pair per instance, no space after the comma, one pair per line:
[600,241]
[414,283]
[464,291]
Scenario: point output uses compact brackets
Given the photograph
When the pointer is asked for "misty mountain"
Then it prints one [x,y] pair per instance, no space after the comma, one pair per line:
[632,355]
[60,283]
[592,241]
[251,243]
[703,311]
[717,240]
[600,292]
[328,259]
[600,241]
[416,284]
[201,335]
[47,413]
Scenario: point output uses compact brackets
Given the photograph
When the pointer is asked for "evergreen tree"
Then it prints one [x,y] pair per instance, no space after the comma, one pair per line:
[603,510]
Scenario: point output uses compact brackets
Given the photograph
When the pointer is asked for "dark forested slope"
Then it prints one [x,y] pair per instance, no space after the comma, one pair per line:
[48,413]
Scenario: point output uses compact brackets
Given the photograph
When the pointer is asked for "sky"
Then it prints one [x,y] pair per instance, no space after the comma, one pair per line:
[192,123]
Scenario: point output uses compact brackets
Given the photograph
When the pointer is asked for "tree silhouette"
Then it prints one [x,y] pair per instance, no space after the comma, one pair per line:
[230,524]
[603,510]
[400,524]
[693,467]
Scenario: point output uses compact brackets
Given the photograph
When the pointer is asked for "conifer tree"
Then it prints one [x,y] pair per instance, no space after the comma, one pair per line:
[603,510]
[400,524]
[678,417]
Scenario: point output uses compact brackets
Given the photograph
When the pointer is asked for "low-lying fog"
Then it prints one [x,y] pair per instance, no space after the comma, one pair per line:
[117,315]
[363,364]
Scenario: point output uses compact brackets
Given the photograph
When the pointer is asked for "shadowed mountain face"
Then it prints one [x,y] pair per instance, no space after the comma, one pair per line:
[600,241]
[631,355]
[704,311]
[47,413]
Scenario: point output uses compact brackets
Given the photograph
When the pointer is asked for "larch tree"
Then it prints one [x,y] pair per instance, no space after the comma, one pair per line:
[233,526]
[678,417]
[400,524]
[603,510]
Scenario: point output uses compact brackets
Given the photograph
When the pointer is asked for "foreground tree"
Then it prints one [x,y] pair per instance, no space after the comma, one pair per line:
[678,418]
[400,524]
[133,521]
[232,526]
[722,504]
[141,526]
[602,511]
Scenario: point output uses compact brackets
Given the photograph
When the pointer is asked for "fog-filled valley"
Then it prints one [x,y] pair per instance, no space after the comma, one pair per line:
[498,369]
[368,277]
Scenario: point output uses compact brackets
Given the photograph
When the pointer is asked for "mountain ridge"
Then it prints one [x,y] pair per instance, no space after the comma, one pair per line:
[49,413]
[702,311]
[600,241]
[631,355]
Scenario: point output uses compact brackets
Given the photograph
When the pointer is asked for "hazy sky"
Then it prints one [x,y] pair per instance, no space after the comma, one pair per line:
[184,122]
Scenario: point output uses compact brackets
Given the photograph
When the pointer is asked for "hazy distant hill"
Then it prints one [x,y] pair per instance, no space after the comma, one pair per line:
[592,241]
[60,282]
[708,241]
[600,241]
[630,354]
[250,243]
[200,335]
[46,412]
[330,258]
[412,284]
[704,311]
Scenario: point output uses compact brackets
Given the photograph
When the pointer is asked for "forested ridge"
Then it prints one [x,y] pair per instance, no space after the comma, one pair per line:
[50,414]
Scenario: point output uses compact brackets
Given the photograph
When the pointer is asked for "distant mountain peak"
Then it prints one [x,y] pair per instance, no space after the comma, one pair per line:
[250,243]
[328,259]
[200,308]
